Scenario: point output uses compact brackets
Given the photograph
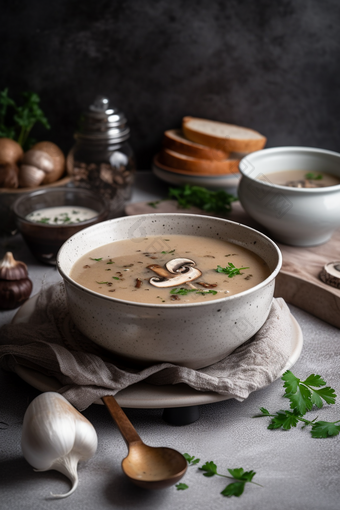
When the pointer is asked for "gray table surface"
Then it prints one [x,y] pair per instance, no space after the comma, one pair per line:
[295,470]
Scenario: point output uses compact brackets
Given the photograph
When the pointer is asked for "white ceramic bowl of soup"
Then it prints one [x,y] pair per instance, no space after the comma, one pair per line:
[292,215]
[193,334]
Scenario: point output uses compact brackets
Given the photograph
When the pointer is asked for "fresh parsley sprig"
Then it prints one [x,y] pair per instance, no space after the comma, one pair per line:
[155,204]
[198,196]
[207,200]
[23,117]
[230,270]
[182,486]
[192,461]
[303,395]
[184,292]
[288,419]
[313,176]
[240,476]
[29,114]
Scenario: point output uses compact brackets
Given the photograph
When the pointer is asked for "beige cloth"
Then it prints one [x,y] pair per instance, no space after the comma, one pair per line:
[50,344]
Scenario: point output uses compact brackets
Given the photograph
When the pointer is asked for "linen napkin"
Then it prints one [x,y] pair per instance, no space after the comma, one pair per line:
[50,343]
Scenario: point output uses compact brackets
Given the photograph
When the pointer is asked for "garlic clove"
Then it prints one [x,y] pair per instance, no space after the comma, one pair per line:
[30,176]
[15,286]
[56,436]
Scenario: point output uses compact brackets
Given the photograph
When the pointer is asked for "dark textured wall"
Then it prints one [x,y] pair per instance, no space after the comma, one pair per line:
[270,65]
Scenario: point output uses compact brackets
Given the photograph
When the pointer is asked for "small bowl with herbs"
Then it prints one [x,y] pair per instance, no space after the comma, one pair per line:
[294,192]
[25,165]
[47,218]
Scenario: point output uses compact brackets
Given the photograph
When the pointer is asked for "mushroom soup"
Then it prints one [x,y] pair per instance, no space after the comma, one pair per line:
[300,179]
[169,269]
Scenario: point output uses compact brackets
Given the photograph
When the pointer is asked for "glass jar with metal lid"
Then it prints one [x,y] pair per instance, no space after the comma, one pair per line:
[102,159]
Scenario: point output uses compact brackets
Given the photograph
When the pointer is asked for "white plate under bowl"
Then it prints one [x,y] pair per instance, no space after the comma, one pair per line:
[228,182]
[142,395]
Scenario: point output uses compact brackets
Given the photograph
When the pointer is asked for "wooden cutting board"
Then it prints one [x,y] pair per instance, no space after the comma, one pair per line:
[298,282]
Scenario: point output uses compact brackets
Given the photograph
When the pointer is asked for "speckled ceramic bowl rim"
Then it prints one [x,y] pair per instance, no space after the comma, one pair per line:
[162,306]
[258,155]
[79,191]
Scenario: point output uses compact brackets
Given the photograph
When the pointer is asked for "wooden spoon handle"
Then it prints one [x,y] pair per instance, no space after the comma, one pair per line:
[122,421]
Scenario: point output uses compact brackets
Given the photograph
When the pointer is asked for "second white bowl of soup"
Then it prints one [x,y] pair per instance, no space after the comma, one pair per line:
[294,192]
[178,288]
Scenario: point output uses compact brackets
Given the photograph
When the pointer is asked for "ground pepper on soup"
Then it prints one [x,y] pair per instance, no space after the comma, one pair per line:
[169,269]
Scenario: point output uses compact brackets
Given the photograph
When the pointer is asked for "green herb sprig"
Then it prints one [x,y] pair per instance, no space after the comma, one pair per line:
[184,292]
[289,419]
[230,270]
[197,196]
[191,459]
[154,204]
[314,177]
[303,395]
[182,486]
[240,476]
[22,117]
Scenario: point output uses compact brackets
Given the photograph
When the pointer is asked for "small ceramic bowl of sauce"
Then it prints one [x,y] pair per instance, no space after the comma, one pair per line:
[294,192]
[47,218]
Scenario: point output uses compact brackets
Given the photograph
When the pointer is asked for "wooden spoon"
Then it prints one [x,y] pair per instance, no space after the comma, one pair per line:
[146,466]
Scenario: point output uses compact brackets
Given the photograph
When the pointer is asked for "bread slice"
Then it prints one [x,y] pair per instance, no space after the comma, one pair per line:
[221,136]
[174,140]
[179,161]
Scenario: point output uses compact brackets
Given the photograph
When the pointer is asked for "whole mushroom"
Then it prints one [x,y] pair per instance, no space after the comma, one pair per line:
[34,167]
[10,155]
[58,158]
[10,151]
[44,163]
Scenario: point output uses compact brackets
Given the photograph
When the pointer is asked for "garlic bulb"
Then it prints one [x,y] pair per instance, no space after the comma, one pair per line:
[15,286]
[56,436]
